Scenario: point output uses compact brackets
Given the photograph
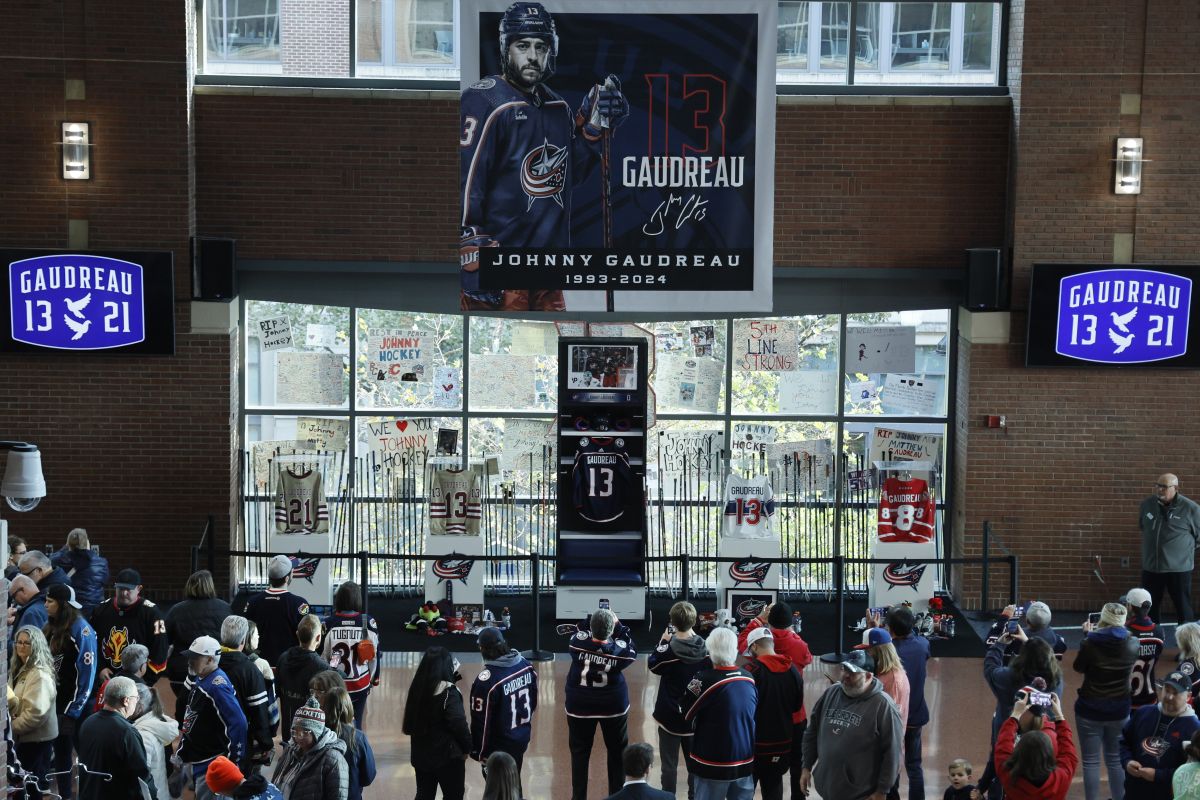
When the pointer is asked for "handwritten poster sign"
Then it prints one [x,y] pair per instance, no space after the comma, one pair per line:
[524,438]
[807,464]
[262,453]
[762,345]
[318,335]
[861,393]
[398,355]
[309,379]
[691,383]
[889,444]
[750,438]
[688,123]
[909,394]
[885,348]
[680,451]
[323,434]
[394,440]
[275,333]
[533,339]
[502,381]
[808,392]
[447,387]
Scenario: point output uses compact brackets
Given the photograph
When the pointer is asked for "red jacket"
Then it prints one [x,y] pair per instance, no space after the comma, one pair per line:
[1057,785]
[787,643]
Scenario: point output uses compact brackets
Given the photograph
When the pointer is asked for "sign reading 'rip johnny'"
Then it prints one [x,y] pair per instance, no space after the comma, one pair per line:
[76,302]
[1123,316]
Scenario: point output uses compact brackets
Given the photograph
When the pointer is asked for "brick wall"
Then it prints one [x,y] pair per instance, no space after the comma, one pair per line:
[1084,445]
[313,37]
[856,185]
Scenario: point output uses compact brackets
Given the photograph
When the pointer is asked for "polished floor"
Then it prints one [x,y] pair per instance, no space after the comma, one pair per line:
[959,700]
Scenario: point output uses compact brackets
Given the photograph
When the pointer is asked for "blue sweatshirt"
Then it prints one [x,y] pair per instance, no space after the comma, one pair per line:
[914,655]
[721,704]
[1156,741]
[214,724]
[676,662]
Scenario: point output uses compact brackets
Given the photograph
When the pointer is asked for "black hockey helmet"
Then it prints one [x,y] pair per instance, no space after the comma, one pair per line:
[523,20]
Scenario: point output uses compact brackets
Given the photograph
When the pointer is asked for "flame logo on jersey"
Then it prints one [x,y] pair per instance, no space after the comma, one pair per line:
[1156,746]
[750,608]
[749,571]
[544,173]
[304,569]
[115,644]
[450,569]
[903,574]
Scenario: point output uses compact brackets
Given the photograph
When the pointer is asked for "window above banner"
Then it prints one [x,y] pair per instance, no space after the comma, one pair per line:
[894,45]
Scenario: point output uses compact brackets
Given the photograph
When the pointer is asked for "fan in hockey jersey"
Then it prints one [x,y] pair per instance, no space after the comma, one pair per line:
[522,153]
[214,723]
[503,699]
[128,618]
[351,646]
[602,483]
[73,646]
[749,507]
[276,611]
[596,694]
[1150,646]
[906,511]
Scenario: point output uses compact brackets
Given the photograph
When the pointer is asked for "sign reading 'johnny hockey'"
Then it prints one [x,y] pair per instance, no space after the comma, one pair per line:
[75,301]
[617,147]
[1119,316]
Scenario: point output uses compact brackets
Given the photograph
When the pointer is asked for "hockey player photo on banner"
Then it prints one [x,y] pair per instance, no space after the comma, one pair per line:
[617,156]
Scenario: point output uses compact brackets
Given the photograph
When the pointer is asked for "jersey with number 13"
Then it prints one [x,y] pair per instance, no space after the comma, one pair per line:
[595,686]
[749,506]
[601,480]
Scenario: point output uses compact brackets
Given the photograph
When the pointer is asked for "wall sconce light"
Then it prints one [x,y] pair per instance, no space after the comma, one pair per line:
[1127,177]
[76,151]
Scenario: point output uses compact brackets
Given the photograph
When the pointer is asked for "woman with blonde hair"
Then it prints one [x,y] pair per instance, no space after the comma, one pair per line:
[360,758]
[888,668]
[87,569]
[31,707]
[1187,636]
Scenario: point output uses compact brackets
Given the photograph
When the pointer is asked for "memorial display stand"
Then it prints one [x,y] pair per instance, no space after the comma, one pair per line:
[601,546]
[906,578]
[458,577]
[747,585]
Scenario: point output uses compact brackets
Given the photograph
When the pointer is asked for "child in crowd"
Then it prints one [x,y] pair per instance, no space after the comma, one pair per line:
[960,787]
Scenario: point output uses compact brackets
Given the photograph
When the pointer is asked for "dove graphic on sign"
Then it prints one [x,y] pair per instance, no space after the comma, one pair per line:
[1122,320]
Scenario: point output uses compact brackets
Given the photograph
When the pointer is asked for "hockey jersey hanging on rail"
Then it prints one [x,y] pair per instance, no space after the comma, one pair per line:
[602,482]
[300,503]
[749,507]
[455,505]
[906,511]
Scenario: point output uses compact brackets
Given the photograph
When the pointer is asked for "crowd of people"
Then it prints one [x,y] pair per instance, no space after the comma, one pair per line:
[84,710]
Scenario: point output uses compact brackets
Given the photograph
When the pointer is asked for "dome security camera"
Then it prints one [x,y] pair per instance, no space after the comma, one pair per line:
[23,486]
[22,503]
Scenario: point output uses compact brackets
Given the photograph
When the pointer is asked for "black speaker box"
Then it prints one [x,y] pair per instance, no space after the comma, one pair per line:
[214,268]
[986,288]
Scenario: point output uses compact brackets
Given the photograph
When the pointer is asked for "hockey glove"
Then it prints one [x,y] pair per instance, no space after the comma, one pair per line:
[468,265]
[605,107]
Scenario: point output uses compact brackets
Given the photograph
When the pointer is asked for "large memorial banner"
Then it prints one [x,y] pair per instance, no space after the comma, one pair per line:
[617,155]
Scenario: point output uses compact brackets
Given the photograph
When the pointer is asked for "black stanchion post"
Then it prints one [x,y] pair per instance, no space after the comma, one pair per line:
[685,576]
[983,582]
[537,653]
[839,578]
[362,575]
[211,541]
[1013,578]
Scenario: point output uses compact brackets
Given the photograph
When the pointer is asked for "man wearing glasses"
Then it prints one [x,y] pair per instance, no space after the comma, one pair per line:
[1170,526]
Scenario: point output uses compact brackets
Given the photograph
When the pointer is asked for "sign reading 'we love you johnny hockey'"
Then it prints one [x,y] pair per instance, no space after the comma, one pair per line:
[89,301]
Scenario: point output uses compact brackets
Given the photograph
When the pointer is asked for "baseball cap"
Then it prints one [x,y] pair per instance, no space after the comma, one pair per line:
[279,567]
[1138,598]
[223,776]
[203,646]
[756,635]
[1178,681]
[874,636]
[858,661]
[63,593]
[490,637]
[128,579]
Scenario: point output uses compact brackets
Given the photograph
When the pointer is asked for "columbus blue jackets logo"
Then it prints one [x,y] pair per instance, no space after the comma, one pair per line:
[544,173]
[750,608]
[76,302]
[1156,746]
[903,574]
[1123,316]
[305,569]
[451,569]
[749,571]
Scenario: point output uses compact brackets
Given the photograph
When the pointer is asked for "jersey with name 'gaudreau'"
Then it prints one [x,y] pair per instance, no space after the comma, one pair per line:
[906,511]
[602,482]
[749,507]
[455,507]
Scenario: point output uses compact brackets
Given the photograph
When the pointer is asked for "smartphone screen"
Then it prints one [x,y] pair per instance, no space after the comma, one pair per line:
[604,604]
[1094,617]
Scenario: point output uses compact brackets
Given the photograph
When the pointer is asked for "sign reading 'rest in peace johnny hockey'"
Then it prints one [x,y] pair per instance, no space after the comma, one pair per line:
[620,150]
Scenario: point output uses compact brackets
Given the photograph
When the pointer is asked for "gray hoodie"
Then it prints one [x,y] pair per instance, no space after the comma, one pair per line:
[854,743]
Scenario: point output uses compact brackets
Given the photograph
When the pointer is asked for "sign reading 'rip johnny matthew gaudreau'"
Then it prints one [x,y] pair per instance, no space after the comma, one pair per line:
[1121,316]
[620,147]
[88,302]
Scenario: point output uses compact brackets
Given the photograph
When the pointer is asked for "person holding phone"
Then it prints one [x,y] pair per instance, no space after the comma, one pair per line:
[1035,766]
[1106,657]
[680,654]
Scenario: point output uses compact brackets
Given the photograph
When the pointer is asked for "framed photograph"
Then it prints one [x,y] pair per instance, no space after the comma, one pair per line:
[447,441]
[602,366]
[746,604]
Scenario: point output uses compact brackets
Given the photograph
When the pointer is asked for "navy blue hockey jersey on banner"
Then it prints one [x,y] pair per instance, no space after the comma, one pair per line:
[503,698]
[520,159]
[602,482]
[595,683]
